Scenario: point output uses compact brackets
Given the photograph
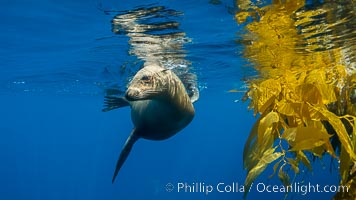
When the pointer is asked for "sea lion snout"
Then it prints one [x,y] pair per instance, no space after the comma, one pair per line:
[133,94]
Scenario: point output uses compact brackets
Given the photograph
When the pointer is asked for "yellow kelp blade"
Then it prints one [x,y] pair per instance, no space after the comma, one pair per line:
[305,138]
[302,157]
[267,157]
[339,127]
[260,139]
[265,127]
[266,93]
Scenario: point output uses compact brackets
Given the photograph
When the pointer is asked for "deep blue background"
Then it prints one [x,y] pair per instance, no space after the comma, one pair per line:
[55,143]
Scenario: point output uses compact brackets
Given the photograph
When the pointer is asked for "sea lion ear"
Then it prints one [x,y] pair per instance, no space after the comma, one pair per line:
[165,70]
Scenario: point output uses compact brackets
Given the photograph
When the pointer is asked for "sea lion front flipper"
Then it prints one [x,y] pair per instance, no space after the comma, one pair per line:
[125,152]
[189,81]
[111,103]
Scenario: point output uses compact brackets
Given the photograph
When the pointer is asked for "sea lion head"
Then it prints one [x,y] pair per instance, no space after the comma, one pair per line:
[151,82]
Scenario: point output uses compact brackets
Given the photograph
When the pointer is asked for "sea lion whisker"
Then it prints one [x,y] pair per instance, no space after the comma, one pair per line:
[153,92]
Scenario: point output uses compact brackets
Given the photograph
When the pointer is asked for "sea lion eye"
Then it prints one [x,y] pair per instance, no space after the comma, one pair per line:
[145,78]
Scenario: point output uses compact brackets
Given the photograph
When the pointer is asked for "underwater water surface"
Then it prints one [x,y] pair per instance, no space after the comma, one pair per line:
[58,61]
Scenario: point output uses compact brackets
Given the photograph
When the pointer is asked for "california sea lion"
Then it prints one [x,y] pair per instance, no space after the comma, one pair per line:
[160,107]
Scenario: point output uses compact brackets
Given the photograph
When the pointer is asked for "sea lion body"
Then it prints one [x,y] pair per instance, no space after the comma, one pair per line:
[160,107]
[160,114]
[158,120]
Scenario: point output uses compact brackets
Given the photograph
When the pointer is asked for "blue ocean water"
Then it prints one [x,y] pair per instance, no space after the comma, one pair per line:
[57,144]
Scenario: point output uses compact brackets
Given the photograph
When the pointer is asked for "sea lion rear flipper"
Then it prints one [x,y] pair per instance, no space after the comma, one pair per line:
[125,152]
[111,103]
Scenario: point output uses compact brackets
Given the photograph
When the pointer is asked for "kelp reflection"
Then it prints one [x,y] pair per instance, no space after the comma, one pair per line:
[305,93]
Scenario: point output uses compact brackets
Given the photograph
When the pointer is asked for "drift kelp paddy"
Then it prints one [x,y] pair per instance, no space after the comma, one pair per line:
[305,91]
